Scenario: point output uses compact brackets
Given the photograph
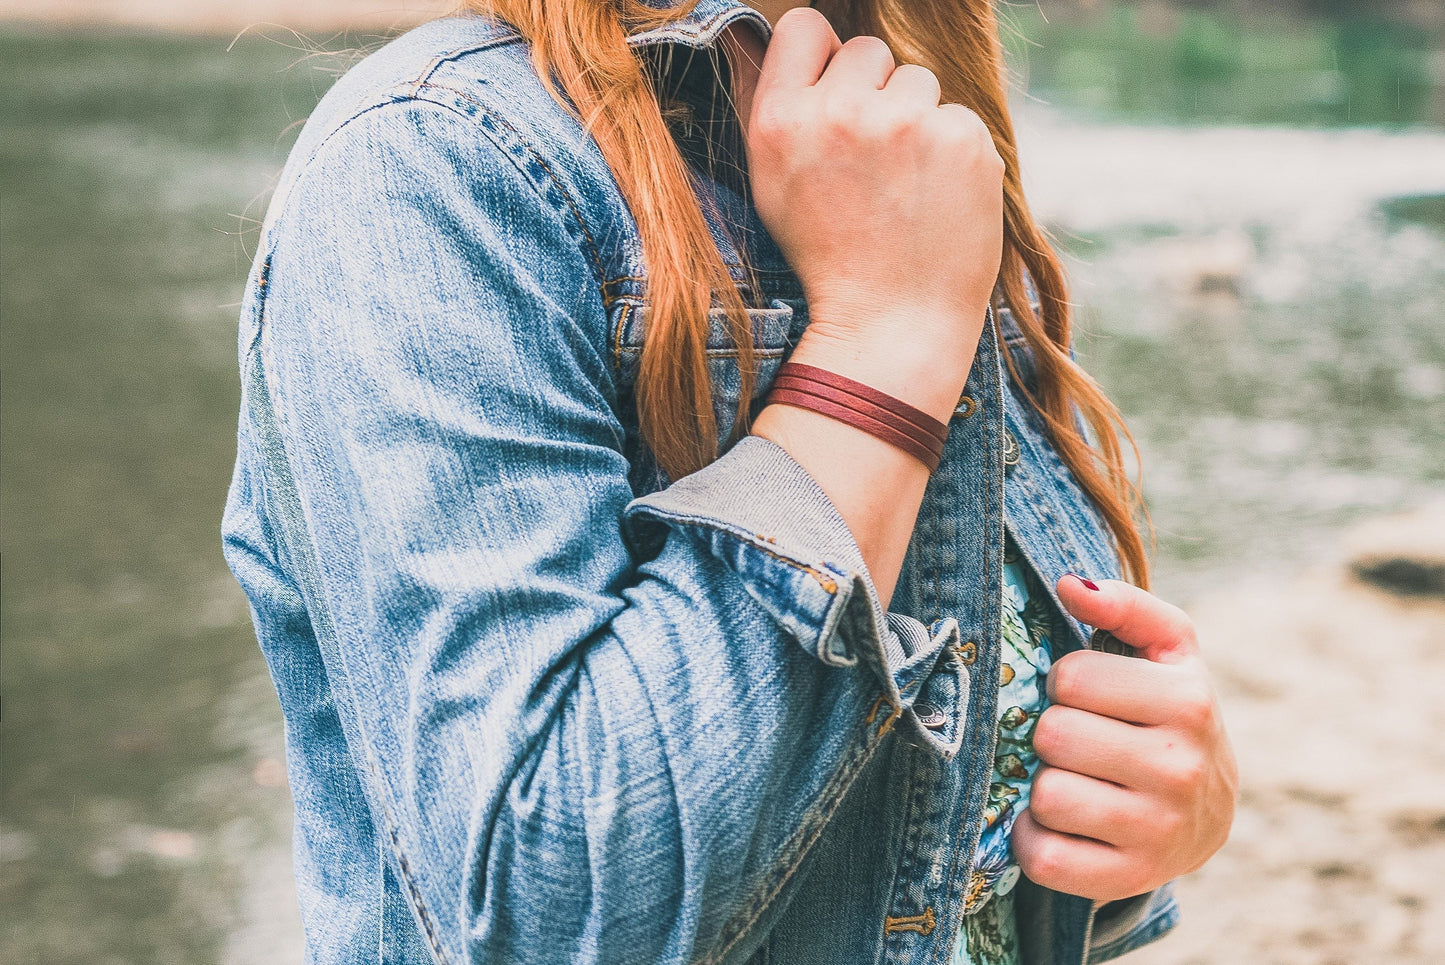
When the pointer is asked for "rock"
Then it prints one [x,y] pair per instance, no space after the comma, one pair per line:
[1403,554]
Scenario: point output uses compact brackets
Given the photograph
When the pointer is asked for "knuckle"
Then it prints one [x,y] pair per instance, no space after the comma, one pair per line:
[1180,623]
[870,45]
[919,72]
[1195,709]
[1170,823]
[1046,797]
[771,121]
[1064,678]
[895,125]
[1183,770]
[1047,733]
[1047,861]
[841,117]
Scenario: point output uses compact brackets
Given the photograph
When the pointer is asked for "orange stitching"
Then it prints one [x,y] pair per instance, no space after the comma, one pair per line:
[888,724]
[617,336]
[536,156]
[923,924]
[873,711]
[829,584]
[800,842]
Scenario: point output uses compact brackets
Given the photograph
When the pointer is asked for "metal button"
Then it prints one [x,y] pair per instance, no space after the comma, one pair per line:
[966,406]
[1012,453]
[929,716]
[966,653]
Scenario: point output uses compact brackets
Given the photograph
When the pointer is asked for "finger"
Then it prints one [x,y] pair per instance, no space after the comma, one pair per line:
[863,61]
[914,83]
[1095,746]
[1073,803]
[802,44]
[1159,631]
[1073,865]
[1127,689]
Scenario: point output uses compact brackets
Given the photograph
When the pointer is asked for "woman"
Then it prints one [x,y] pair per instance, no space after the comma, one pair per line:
[600,635]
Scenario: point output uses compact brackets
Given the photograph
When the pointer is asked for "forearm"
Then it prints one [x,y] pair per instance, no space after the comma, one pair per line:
[876,487]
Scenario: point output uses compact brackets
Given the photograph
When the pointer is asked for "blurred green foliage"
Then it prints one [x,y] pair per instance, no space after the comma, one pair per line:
[1208,64]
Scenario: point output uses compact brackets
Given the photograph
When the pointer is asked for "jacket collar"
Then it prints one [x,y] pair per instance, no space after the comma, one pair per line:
[701,25]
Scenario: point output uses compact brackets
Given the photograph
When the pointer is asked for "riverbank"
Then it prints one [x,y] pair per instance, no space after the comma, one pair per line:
[1332,694]
[1263,302]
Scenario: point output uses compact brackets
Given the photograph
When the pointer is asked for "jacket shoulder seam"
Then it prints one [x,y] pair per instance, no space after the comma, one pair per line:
[593,254]
[400,99]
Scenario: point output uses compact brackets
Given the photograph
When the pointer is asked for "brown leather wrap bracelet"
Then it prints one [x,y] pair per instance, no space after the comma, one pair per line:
[916,416]
[863,407]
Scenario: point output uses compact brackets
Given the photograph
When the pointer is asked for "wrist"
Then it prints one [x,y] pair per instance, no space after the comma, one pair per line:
[917,371]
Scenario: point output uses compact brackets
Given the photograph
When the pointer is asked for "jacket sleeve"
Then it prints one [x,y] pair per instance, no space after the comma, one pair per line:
[592,727]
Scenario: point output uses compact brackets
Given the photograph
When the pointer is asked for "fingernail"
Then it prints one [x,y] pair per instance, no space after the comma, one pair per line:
[1089,583]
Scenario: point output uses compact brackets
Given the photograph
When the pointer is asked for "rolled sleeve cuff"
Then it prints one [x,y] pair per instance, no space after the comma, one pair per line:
[768,520]
[1122,926]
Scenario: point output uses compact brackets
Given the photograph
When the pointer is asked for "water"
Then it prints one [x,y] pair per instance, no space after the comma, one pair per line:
[1263,301]
[1265,305]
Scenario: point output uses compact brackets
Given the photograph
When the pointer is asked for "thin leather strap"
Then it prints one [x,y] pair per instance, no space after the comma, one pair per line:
[858,420]
[863,406]
[897,406]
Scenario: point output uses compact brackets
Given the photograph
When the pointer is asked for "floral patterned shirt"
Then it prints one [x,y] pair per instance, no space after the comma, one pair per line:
[989,935]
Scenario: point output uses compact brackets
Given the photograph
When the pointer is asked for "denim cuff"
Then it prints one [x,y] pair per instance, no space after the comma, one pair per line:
[761,513]
[1124,925]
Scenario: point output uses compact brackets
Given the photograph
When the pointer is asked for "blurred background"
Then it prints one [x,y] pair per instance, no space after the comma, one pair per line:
[1251,195]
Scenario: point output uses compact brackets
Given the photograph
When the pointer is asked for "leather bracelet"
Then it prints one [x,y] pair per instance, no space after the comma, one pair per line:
[897,406]
[863,407]
[879,430]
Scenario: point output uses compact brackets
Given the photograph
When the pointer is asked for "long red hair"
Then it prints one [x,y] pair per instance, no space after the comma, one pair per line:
[580,46]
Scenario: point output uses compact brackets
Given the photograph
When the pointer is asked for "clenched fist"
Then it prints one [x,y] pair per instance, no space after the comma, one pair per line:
[1139,780]
[887,204]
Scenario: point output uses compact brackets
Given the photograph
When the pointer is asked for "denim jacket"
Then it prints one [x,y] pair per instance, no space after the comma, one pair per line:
[542,703]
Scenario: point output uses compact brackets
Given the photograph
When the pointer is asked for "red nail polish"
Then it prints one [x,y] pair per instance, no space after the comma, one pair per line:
[1089,583]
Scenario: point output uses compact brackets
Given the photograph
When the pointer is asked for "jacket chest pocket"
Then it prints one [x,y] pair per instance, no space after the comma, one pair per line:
[775,329]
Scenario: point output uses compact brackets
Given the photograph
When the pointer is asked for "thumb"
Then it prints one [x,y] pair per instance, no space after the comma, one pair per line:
[1159,631]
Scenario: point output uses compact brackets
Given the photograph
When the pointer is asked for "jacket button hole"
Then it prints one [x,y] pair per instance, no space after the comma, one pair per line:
[967,404]
[922,924]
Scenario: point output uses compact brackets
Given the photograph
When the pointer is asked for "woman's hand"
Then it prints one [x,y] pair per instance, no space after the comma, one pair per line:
[887,205]
[1139,780]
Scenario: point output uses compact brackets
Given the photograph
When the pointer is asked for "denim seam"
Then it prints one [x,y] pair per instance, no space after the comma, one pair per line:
[620,347]
[1044,512]
[754,540]
[716,353]
[397,100]
[284,484]
[592,251]
[511,37]
[989,449]
[813,824]
[622,314]
[667,33]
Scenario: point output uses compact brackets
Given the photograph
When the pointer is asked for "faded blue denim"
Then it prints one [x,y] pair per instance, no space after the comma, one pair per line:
[542,704]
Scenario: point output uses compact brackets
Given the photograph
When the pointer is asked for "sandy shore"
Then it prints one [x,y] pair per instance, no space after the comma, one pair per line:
[211,16]
[1334,693]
